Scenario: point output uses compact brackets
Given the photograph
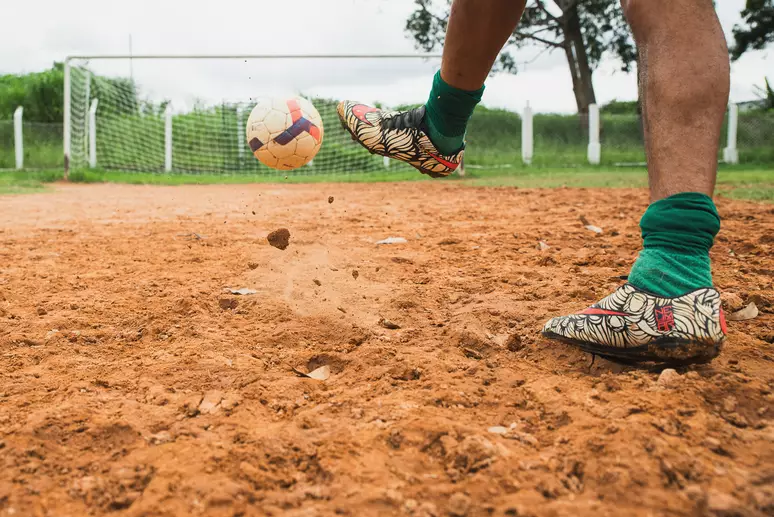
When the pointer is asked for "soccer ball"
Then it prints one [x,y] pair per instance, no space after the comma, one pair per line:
[284,133]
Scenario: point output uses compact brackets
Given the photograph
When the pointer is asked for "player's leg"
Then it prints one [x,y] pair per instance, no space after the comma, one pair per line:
[431,138]
[669,308]
[685,83]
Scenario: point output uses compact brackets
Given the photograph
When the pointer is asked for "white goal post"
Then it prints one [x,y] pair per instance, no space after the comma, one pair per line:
[127,121]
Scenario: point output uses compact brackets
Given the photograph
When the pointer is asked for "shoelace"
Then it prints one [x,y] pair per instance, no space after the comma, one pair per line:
[406,120]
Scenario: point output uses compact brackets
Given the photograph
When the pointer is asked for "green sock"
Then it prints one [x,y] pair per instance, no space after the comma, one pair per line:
[447,113]
[678,233]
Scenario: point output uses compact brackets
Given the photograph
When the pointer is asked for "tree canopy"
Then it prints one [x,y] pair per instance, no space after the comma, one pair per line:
[585,30]
[757,29]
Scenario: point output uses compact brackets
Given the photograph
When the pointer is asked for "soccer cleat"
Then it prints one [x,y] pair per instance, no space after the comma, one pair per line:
[397,134]
[632,324]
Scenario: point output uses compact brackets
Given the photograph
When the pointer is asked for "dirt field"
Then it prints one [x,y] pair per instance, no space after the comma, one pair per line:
[131,383]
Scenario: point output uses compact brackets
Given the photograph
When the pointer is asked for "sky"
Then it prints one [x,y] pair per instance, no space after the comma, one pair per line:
[35,34]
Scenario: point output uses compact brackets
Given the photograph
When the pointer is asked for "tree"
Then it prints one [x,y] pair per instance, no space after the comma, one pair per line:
[42,94]
[585,30]
[757,31]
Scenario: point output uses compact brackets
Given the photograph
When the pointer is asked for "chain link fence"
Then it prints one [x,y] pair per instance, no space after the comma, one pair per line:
[42,145]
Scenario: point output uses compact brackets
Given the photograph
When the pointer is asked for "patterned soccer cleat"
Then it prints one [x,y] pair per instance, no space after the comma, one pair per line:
[399,135]
[632,324]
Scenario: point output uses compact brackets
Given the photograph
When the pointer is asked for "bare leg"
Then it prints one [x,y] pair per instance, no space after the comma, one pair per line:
[477,31]
[684,81]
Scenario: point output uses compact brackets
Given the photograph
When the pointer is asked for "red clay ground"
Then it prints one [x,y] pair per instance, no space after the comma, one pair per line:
[131,384]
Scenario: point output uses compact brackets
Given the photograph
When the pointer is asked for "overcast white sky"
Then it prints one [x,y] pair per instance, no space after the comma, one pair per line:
[35,34]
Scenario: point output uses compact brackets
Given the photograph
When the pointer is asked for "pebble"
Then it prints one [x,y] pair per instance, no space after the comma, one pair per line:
[210,402]
[388,324]
[459,505]
[228,303]
[725,505]
[669,378]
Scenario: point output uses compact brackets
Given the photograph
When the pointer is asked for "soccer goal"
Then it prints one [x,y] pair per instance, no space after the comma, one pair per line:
[187,114]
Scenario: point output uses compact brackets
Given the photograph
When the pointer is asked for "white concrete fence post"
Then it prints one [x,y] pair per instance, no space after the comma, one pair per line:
[731,153]
[18,137]
[595,148]
[527,136]
[168,138]
[93,133]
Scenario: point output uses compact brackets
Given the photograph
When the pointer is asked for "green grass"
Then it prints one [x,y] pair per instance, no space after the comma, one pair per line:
[25,182]
[757,193]
[739,182]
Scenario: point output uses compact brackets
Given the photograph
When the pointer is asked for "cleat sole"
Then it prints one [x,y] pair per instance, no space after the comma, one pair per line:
[670,352]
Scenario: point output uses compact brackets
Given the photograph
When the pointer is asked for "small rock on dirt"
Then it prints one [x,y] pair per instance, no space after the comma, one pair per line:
[497,429]
[228,303]
[41,311]
[459,505]
[280,239]
[243,291]
[404,373]
[392,240]
[190,404]
[514,343]
[723,505]
[669,378]
[229,402]
[330,199]
[748,313]
[317,282]
[388,324]
[252,265]
[731,301]
[355,274]
[160,438]
[157,395]
[210,402]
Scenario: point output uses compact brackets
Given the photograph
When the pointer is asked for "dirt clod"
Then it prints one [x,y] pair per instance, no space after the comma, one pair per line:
[514,343]
[228,303]
[280,239]
[330,199]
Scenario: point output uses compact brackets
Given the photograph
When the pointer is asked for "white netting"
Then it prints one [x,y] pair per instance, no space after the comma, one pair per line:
[210,100]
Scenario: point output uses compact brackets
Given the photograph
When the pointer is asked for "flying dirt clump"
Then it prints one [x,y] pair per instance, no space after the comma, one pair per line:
[280,239]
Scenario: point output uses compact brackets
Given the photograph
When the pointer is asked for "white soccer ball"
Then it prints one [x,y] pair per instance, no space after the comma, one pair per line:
[284,133]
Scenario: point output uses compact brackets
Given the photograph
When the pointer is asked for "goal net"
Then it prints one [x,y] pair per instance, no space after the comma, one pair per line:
[188,115]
